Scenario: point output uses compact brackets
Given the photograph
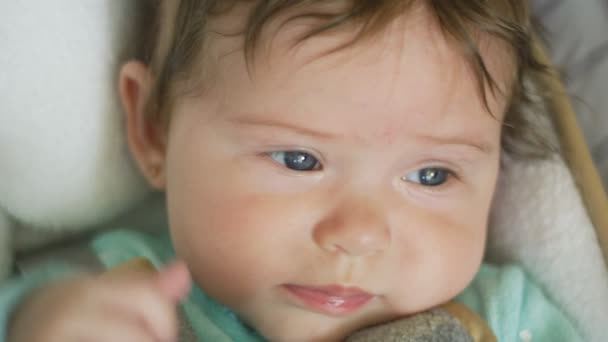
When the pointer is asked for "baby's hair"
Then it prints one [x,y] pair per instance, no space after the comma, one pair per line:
[177,31]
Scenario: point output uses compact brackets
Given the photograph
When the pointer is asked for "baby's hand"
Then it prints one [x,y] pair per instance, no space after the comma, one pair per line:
[121,305]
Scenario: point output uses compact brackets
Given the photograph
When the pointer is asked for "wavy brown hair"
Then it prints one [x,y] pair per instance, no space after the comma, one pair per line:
[177,32]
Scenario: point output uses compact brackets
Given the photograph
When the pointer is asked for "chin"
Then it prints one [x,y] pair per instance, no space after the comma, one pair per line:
[317,333]
[308,337]
[313,327]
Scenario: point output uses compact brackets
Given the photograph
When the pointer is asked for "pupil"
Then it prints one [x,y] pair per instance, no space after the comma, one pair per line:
[300,161]
[432,176]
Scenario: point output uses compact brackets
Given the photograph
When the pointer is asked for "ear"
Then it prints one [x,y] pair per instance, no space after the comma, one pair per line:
[146,137]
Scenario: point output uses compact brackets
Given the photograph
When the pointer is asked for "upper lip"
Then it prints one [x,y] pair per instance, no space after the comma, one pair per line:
[335,290]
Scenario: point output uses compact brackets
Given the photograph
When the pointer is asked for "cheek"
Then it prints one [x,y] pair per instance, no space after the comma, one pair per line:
[442,253]
[234,240]
[220,236]
[234,236]
[466,236]
[436,262]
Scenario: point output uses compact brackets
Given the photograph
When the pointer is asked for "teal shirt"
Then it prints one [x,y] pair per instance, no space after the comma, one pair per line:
[514,307]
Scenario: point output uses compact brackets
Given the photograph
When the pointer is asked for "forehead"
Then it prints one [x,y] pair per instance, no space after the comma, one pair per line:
[408,68]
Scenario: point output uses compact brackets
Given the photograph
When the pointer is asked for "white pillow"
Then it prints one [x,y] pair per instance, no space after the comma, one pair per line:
[63,158]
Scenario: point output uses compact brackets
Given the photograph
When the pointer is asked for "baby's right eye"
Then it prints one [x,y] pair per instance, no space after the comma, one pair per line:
[429,176]
[296,160]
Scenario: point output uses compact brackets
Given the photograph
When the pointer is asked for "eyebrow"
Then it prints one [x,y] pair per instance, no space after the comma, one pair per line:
[480,145]
[251,120]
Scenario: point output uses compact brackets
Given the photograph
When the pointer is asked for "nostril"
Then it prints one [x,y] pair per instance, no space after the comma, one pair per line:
[361,244]
[339,249]
[352,231]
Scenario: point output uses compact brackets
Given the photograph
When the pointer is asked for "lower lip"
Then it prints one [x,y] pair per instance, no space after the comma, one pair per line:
[326,302]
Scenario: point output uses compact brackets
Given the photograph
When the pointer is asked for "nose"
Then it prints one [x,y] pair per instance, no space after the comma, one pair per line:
[355,228]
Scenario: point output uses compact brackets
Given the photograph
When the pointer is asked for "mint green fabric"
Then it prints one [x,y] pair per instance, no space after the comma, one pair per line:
[514,307]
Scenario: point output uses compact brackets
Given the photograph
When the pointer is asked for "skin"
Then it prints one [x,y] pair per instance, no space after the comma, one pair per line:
[93,308]
[374,115]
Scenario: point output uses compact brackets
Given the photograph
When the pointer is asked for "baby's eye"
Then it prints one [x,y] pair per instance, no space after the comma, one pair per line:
[431,176]
[296,160]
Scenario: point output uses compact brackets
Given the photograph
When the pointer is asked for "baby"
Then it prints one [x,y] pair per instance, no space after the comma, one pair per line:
[328,166]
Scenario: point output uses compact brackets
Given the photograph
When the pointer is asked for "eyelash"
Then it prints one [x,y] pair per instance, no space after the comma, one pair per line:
[450,174]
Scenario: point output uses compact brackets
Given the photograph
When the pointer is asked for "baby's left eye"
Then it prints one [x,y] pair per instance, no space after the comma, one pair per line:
[296,160]
[431,176]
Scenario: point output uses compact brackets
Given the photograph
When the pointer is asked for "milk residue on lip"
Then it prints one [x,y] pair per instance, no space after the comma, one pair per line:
[336,301]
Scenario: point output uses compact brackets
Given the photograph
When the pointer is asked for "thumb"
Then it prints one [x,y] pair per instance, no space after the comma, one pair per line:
[175,281]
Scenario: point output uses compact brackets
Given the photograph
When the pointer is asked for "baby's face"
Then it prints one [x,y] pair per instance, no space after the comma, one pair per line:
[330,192]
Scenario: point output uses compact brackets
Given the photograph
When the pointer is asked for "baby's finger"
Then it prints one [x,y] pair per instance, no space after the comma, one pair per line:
[116,328]
[175,281]
[142,301]
[158,314]
[151,295]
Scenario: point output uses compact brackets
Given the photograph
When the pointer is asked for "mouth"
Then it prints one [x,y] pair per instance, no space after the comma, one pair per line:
[333,300]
